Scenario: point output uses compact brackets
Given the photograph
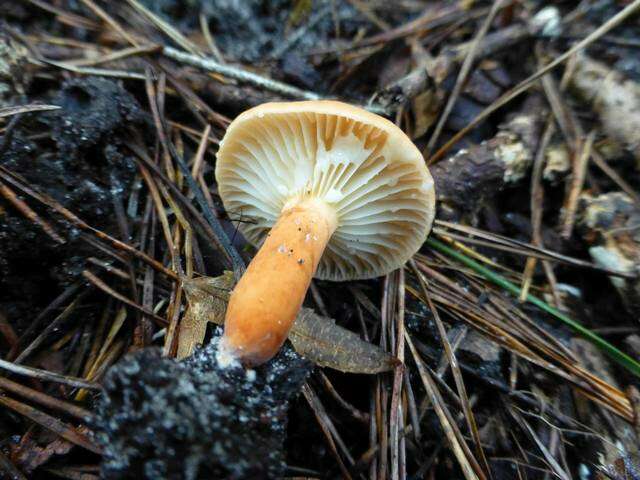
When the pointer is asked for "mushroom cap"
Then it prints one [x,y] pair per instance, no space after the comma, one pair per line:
[360,164]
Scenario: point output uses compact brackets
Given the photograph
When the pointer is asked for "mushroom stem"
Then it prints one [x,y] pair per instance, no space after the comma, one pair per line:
[266,300]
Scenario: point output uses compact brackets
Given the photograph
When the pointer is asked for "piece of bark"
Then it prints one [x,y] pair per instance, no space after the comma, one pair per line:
[610,224]
[473,174]
[430,72]
[479,349]
[405,88]
[614,97]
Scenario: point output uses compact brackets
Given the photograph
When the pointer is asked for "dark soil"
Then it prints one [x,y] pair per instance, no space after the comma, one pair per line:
[195,419]
[74,154]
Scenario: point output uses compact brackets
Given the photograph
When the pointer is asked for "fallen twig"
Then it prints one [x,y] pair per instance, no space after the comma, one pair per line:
[48,376]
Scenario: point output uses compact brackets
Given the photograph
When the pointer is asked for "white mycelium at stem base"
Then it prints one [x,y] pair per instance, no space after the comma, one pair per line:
[329,190]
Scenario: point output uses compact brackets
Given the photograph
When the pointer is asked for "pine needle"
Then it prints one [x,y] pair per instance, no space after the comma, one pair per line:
[614,353]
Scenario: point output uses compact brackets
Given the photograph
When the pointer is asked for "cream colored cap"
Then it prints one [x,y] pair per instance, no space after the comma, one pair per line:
[359,163]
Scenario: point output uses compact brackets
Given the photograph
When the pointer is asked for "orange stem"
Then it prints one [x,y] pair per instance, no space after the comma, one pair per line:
[265,302]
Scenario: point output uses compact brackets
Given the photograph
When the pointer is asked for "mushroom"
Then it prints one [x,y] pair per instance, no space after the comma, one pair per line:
[328,190]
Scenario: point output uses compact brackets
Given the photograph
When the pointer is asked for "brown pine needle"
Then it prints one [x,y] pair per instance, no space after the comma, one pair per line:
[523,86]
[455,369]
[466,464]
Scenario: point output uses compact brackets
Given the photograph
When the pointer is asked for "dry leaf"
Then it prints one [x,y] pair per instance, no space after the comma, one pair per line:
[207,297]
[317,338]
[329,345]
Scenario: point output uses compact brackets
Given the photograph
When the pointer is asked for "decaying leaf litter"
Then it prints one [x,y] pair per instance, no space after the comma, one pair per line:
[110,216]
